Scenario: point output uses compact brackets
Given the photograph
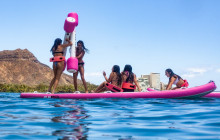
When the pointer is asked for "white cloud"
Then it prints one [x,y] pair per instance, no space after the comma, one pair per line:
[195,72]
[189,75]
[93,74]
[218,70]
[94,77]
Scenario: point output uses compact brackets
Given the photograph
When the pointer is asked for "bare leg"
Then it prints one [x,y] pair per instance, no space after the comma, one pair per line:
[59,72]
[101,87]
[75,80]
[81,70]
[53,80]
[175,88]
[51,84]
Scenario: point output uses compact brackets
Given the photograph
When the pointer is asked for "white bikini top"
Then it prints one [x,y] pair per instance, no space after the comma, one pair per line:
[176,81]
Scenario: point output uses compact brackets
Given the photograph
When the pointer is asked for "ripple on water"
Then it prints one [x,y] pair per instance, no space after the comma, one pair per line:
[108,118]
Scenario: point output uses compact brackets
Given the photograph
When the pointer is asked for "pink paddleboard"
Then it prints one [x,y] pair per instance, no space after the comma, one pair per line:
[193,92]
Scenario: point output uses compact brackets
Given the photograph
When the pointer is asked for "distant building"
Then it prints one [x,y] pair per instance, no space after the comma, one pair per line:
[155,80]
[151,81]
[144,82]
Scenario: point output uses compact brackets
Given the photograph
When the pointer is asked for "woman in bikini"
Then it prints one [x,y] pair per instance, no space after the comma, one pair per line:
[175,79]
[80,52]
[128,79]
[114,79]
[58,62]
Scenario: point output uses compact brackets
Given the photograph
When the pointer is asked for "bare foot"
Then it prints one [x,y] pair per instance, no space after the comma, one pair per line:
[92,91]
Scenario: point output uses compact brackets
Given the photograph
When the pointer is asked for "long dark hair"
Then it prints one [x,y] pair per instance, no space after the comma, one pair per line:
[57,42]
[116,69]
[170,71]
[83,46]
[130,77]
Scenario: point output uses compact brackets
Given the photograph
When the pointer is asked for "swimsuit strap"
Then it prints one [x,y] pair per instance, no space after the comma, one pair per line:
[57,52]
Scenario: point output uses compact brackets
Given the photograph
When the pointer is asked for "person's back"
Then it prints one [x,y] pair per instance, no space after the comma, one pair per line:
[113,83]
[128,79]
[116,80]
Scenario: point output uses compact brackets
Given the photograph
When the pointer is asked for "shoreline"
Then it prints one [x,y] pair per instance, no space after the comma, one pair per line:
[18,88]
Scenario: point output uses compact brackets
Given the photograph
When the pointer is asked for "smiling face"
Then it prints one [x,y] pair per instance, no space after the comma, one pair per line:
[167,74]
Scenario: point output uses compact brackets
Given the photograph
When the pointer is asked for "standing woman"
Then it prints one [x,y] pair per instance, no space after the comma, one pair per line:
[80,52]
[175,79]
[58,61]
[128,79]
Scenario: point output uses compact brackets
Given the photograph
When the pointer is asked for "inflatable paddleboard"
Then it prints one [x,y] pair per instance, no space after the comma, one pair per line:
[194,92]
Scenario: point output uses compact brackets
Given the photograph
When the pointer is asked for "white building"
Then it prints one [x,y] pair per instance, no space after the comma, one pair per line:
[155,80]
[150,81]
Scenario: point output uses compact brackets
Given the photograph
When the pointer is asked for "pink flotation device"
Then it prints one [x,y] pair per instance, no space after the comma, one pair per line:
[70,23]
[72,64]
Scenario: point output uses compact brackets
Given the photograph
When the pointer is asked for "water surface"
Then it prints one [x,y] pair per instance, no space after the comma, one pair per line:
[109,119]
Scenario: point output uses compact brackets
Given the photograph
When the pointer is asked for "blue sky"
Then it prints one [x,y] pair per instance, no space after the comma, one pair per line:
[151,35]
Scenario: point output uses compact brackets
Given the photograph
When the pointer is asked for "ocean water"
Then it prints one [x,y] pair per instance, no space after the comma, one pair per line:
[109,119]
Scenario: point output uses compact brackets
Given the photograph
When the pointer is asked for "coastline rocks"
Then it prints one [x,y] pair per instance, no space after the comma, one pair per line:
[22,67]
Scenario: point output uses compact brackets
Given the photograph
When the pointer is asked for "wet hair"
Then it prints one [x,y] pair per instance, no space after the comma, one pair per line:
[130,77]
[57,42]
[84,48]
[170,71]
[116,69]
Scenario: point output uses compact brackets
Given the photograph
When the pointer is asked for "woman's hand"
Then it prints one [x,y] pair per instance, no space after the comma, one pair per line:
[104,74]
[70,42]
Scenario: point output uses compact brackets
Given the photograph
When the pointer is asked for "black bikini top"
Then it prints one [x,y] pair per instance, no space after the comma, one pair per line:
[58,52]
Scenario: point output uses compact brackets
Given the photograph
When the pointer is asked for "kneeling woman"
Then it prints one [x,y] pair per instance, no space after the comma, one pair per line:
[112,83]
[175,79]
[129,79]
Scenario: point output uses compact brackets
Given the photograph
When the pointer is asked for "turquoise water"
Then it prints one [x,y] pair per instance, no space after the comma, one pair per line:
[108,119]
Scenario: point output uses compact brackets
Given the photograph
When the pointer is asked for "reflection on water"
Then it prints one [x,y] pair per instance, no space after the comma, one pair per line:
[74,118]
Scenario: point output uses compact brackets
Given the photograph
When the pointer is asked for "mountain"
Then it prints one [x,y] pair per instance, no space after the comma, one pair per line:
[22,67]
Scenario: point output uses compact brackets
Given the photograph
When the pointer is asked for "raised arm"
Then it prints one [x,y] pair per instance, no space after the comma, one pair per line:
[67,44]
[104,74]
[108,79]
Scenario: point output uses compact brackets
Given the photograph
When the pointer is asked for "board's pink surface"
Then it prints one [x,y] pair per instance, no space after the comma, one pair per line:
[213,94]
[195,91]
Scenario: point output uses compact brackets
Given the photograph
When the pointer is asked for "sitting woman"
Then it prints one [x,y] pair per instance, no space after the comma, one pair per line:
[112,83]
[175,79]
[129,79]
